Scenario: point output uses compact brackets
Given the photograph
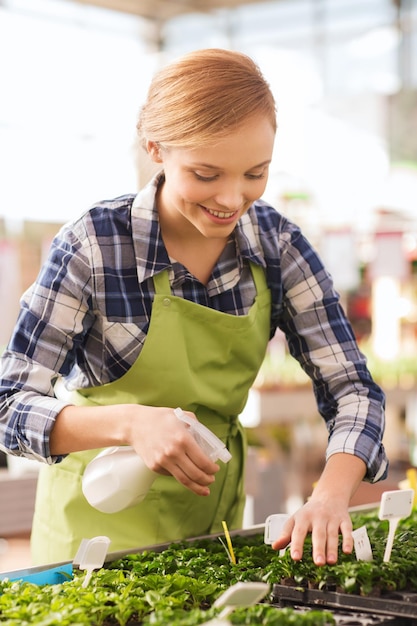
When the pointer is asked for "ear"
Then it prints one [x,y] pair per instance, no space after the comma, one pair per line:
[154,151]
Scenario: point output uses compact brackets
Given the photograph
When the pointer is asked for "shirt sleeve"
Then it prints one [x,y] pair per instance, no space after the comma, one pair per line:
[53,316]
[320,337]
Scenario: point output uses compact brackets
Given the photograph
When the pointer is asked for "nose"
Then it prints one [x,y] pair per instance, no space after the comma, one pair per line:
[231,195]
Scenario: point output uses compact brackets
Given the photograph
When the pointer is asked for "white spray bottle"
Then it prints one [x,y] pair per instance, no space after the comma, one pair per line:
[117,478]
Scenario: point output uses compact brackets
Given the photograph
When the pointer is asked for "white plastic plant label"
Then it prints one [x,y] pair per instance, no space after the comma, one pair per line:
[240,594]
[394,506]
[91,555]
[362,545]
[273,526]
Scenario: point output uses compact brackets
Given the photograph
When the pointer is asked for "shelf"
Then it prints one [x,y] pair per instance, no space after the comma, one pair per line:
[17,495]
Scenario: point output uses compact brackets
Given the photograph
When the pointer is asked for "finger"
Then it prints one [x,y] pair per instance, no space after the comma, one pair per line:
[182,450]
[347,537]
[199,482]
[196,473]
[298,537]
[195,463]
[281,542]
[332,544]
[319,540]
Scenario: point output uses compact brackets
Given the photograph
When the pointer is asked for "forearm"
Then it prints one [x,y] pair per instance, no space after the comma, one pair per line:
[80,428]
[340,479]
[158,436]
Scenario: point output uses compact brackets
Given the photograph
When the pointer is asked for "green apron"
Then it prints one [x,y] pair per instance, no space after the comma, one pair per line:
[194,357]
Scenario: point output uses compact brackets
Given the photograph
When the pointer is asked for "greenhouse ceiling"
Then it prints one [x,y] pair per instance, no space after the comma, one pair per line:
[162,10]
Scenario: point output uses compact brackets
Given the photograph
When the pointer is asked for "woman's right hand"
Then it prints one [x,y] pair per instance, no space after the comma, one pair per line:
[167,446]
[162,440]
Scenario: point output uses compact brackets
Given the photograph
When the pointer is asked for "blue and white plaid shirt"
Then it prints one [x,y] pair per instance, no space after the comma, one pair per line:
[87,315]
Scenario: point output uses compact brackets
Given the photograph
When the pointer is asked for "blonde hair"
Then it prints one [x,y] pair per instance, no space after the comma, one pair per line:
[203,96]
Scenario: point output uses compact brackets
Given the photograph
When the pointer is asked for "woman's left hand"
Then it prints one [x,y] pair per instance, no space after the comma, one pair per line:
[326,514]
[324,520]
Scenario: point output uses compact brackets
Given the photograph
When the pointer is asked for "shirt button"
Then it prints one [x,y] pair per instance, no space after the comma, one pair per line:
[166,301]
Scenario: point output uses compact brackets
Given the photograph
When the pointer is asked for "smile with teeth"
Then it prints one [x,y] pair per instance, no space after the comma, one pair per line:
[221,214]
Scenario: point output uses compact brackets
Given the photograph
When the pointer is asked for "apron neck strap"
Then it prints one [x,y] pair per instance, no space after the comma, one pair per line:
[258,276]
[161,283]
[163,287]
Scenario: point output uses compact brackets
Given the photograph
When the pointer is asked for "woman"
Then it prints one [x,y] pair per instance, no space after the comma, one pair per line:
[169,298]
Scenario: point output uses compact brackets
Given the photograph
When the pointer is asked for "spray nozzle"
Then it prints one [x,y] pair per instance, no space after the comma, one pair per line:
[208,441]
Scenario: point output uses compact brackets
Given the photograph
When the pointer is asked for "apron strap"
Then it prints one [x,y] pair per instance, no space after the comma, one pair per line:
[163,286]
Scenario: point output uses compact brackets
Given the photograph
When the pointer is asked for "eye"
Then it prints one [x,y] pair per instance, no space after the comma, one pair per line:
[206,179]
[256,176]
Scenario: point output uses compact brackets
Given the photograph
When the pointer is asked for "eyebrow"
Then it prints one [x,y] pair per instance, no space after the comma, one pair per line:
[219,169]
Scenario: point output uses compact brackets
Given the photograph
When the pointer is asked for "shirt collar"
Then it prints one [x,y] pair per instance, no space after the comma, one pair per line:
[151,254]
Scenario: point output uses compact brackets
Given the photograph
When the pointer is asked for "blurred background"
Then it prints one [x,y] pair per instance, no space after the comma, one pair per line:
[73,75]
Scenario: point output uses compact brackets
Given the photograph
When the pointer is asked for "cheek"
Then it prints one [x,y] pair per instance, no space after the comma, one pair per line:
[256,189]
[192,192]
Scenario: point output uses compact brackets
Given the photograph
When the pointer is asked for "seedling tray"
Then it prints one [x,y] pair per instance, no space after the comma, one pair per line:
[160,547]
[395,609]
[395,604]
[53,573]
[354,618]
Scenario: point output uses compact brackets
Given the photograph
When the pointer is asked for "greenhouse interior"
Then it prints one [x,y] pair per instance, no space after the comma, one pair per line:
[343,74]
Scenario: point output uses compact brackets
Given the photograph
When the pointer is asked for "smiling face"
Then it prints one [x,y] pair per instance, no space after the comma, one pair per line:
[208,189]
